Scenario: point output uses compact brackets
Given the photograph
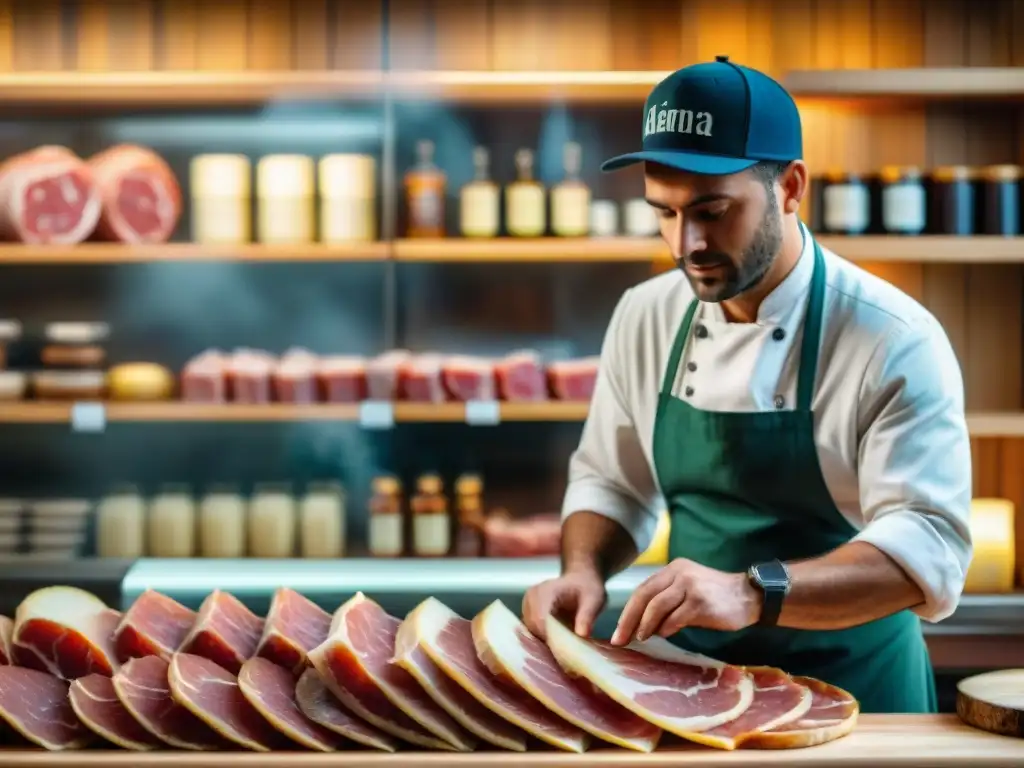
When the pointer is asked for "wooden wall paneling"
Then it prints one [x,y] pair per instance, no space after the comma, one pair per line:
[898,34]
[1012,486]
[828,30]
[989,30]
[6,35]
[131,35]
[945,296]
[463,35]
[945,33]
[986,467]
[794,34]
[270,41]
[92,36]
[721,29]
[857,25]
[222,35]
[1017,38]
[760,38]
[38,35]
[358,39]
[646,35]
[411,43]
[578,36]
[310,35]
[518,37]
[177,36]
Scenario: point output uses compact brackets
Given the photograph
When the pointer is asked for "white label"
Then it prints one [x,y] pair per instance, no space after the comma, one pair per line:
[88,417]
[376,414]
[846,208]
[903,208]
[483,413]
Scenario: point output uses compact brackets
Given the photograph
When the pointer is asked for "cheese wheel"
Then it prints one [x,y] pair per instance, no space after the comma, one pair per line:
[140,381]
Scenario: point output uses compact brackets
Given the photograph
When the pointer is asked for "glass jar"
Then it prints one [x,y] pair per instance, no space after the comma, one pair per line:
[953,203]
[1000,202]
[172,522]
[222,525]
[846,204]
[121,523]
[431,528]
[904,209]
[322,521]
[387,524]
[272,521]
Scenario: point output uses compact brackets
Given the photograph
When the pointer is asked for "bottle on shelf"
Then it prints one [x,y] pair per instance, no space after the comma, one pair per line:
[431,528]
[570,198]
[387,524]
[425,185]
[469,510]
[525,213]
[479,202]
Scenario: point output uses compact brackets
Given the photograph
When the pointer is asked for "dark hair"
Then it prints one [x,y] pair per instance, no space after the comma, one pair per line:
[768,171]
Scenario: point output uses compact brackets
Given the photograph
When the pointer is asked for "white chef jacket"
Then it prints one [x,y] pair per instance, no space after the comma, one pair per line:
[889,420]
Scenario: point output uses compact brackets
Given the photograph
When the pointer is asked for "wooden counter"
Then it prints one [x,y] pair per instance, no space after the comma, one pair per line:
[937,741]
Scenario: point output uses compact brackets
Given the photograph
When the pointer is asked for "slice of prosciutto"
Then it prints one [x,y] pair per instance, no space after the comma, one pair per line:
[355,664]
[66,632]
[95,702]
[154,625]
[271,691]
[678,691]
[778,700]
[507,648]
[141,196]
[6,629]
[295,625]
[36,706]
[211,693]
[318,704]
[225,632]
[143,689]
[832,715]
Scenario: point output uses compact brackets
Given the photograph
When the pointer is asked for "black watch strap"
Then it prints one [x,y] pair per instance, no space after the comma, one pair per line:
[772,578]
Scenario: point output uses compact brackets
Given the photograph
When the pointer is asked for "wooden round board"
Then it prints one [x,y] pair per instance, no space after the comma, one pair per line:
[993,701]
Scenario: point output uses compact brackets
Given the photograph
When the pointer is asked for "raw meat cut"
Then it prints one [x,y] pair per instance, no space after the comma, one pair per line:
[342,378]
[204,378]
[436,641]
[248,376]
[295,625]
[521,377]
[226,632]
[384,373]
[573,379]
[421,379]
[832,715]
[318,704]
[507,648]
[65,631]
[469,378]
[143,688]
[211,693]
[48,196]
[676,690]
[355,663]
[154,625]
[778,700]
[534,536]
[293,377]
[270,690]
[95,702]
[6,628]
[141,196]
[36,706]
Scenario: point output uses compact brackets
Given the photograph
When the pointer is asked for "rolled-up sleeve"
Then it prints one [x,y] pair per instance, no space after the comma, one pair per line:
[915,463]
[609,473]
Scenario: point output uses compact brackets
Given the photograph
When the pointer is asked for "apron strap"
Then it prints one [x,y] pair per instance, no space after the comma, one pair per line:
[677,349]
[812,334]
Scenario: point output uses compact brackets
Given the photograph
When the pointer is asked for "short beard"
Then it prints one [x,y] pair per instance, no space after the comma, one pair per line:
[753,265]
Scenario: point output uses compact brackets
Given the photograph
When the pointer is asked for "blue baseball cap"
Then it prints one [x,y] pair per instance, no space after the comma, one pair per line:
[717,118]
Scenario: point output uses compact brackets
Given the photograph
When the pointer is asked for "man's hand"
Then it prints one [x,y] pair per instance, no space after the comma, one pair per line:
[577,597]
[687,594]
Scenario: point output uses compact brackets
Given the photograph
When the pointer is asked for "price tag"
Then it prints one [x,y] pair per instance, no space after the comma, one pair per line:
[483,413]
[376,414]
[88,417]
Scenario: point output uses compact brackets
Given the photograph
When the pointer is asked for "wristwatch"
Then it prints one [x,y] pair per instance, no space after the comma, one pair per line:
[772,578]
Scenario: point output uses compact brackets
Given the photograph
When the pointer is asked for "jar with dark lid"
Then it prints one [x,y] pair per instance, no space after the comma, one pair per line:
[952,196]
[1000,200]
[846,204]
[904,209]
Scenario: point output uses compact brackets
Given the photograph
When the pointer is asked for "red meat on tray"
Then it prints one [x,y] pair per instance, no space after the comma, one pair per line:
[204,378]
[154,625]
[226,632]
[249,372]
[293,377]
[141,196]
[573,379]
[469,378]
[342,378]
[384,374]
[421,379]
[521,377]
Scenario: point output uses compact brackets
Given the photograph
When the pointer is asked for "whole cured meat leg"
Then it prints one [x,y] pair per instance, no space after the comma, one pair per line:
[141,196]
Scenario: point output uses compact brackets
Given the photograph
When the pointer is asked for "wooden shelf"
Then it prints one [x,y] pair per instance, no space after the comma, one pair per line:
[924,83]
[115,253]
[485,87]
[928,249]
[583,249]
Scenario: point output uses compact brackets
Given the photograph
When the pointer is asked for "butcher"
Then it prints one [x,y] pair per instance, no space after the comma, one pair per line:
[802,421]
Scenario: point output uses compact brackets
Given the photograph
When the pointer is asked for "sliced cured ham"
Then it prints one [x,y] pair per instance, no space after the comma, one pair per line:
[48,196]
[318,704]
[573,379]
[778,700]
[141,196]
[36,706]
[384,374]
[97,706]
[412,654]
[293,378]
[521,377]
[355,663]
[204,378]
[510,651]
[469,378]
[435,642]
[421,380]
[678,691]
[342,378]
[225,632]
[143,689]
[211,693]
[295,625]
[6,628]
[66,632]
[832,715]
[270,690]
[154,625]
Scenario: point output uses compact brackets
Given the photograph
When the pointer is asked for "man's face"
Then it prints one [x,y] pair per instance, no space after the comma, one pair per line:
[724,231]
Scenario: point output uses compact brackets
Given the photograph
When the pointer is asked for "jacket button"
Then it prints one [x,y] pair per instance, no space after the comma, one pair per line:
[778,334]
[691,366]
[780,402]
[688,391]
[702,332]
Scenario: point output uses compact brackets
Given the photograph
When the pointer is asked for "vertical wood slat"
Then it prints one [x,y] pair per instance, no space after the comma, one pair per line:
[38,35]
[131,35]
[310,35]
[577,35]
[178,34]
[270,42]
[6,35]
[92,30]
[411,41]
[357,41]
[518,34]
[221,35]
[989,26]
[645,36]
[462,34]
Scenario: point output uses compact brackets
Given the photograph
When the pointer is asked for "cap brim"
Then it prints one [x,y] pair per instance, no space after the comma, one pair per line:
[690,162]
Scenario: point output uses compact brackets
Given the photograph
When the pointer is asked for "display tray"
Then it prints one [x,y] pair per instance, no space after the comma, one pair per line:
[937,741]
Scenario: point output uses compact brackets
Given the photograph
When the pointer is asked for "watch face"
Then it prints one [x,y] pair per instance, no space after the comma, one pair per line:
[772,575]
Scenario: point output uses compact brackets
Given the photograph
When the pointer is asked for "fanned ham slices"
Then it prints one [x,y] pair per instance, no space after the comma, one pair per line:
[35,704]
[6,629]
[318,704]
[154,625]
[98,707]
[225,632]
[832,715]
[778,700]
[295,625]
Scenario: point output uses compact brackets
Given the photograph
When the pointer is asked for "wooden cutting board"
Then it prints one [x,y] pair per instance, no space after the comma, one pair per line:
[994,702]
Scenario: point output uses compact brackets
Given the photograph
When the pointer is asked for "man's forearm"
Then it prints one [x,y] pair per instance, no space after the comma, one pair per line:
[851,585]
[593,542]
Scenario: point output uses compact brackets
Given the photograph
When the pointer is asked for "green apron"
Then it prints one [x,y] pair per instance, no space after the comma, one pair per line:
[744,488]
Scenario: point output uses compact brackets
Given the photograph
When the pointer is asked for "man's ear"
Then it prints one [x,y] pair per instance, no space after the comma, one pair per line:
[793,185]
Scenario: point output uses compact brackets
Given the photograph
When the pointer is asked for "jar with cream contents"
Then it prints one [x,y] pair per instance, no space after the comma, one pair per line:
[272,518]
[846,203]
[387,523]
[348,198]
[322,521]
[222,523]
[221,199]
[286,191]
[172,522]
[430,523]
[904,207]
[121,523]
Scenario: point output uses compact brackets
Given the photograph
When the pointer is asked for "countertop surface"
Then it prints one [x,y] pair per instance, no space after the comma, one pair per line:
[878,741]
